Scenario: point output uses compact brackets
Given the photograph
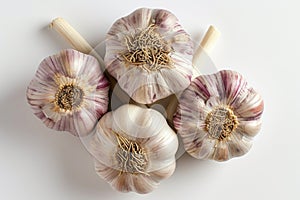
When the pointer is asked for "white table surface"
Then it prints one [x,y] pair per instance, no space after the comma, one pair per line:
[260,39]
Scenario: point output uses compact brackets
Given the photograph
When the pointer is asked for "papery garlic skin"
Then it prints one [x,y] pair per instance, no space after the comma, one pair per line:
[69,92]
[169,71]
[155,141]
[222,101]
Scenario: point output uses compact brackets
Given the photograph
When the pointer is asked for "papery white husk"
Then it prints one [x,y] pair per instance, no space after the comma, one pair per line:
[225,88]
[143,86]
[150,130]
[69,67]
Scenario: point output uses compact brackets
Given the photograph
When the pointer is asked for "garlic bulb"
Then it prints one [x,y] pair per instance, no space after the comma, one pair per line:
[150,55]
[69,92]
[218,115]
[134,148]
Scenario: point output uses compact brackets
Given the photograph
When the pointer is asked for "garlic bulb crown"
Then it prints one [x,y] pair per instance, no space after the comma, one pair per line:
[218,115]
[220,122]
[69,92]
[134,149]
[150,55]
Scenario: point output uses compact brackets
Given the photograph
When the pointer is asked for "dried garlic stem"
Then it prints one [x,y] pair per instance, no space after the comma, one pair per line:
[207,44]
[80,44]
[209,40]
[71,35]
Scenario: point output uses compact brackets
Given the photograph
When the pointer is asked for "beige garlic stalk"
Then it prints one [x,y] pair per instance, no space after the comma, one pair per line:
[134,149]
[150,55]
[218,116]
[69,92]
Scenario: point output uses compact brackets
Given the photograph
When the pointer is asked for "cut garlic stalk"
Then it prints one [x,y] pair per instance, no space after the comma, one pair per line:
[207,44]
[69,92]
[71,35]
[134,149]
[218,115]
[150,55]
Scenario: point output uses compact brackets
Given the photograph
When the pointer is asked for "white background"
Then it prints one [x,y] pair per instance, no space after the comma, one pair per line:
[260,39]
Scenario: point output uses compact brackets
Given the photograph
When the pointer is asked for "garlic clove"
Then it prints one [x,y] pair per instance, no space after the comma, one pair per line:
[135,154]
[126,182]
[251,107]
[235,88]
[150,55]
[139,183]
[206,150]
[69,92]
[221,152]
[238,144]
[163,173]
[249,128]
[123,182]
[107,173]
[220,107]
[136,123]
[142,184]
[202,149]
[103,144]
[161,149]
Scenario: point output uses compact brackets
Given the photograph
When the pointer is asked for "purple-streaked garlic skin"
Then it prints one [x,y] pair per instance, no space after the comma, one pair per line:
[71,69]
[142,85]
[226,89]
[147,129]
